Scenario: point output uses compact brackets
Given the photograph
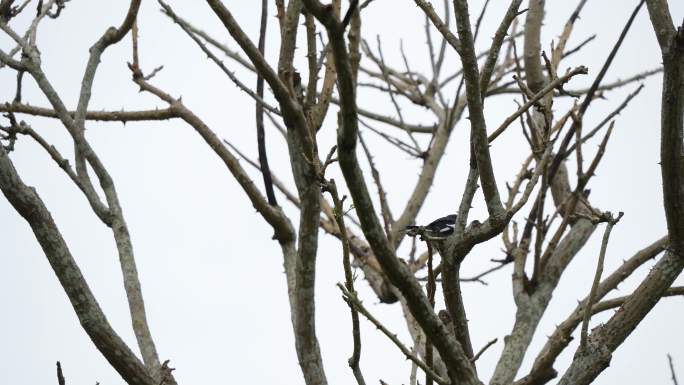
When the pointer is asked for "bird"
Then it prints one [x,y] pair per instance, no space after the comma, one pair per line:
[438,229]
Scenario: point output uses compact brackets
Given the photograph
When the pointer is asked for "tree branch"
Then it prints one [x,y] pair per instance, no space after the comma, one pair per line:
[352,300]
[608,337]
[331,187]
[104,116]
[261,136]
[476,110]
[597,279]
[449,349]
[29,205]
[672,370]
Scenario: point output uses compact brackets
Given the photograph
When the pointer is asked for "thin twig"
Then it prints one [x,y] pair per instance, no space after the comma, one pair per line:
[618,83]
[478,277]
[597,280]
[578,47]
[331,187]
[61,381]
[243,87]
[403,146]
[439,24]
[354,301]
[442,51]
[574,197]
[484,348]
[215,43]
[497,42]
[384,205]
[261,136]
[397,108]
[672,370]
[276,181]
[538,96]
[588,98]
[605,121]
[348,15]
[478,23]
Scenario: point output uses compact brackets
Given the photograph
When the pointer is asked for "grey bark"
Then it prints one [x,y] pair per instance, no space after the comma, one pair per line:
[604,340]
[29,205]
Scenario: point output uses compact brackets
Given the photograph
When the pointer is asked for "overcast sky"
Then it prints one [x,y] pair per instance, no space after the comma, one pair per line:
[212,277]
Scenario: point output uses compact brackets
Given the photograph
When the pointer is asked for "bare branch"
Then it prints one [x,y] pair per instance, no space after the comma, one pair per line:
[259,98]
[453,298]
[384,206]
[597,278]
[619,83]
[499,36]
[605,120]
[398,274]
[431,289]
[186,25]
[31,207]
[604,69]
[312,60]
[96,204]
[542,370]
[273,215]
[290,108]
[60,375]
[261,136]
[84,153]
[672,370]
[382,66]
[538,96]
[468,194]
[393,122]
[104,116]
[442,47]
[353,300]
[589,97]
[276,181]
[398,143]
[663,26]
[484,349]
[349,280]
[532,51]
[439,24]
[475,108]
[608,337]
[558,52]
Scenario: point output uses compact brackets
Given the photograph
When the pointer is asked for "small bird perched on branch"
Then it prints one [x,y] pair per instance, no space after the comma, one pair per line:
[437,229]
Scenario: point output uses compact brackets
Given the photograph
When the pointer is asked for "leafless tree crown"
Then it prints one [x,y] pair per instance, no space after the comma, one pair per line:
[544,217]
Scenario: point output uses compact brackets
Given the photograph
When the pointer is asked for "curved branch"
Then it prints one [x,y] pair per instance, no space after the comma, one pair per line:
[478,134]
[273,215]
[30,206]
[601,344]
[450,350]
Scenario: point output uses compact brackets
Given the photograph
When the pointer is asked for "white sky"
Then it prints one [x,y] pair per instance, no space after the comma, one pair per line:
[212,278]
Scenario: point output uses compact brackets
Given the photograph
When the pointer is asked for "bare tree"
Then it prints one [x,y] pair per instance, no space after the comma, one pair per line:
[544,219]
